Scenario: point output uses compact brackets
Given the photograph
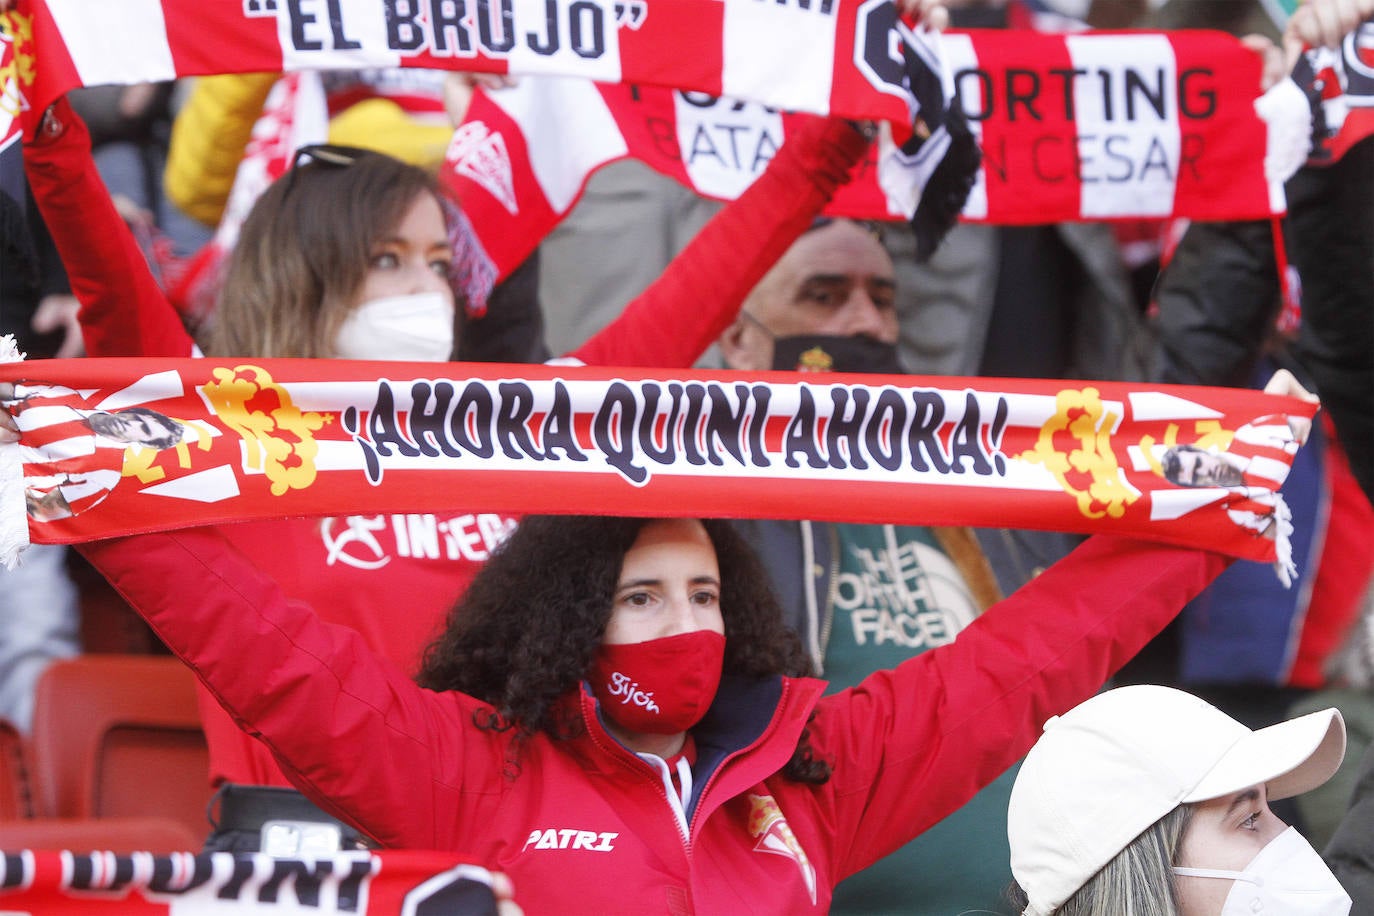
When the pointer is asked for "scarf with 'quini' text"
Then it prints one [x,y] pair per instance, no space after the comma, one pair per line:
[119,446]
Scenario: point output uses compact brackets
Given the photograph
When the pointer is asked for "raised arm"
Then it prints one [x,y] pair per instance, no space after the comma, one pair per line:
[939,727]
[683,312]
[123,310]
[349,729]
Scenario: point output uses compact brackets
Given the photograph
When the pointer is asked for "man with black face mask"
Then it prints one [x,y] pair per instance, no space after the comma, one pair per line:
[865,597]
[834,289]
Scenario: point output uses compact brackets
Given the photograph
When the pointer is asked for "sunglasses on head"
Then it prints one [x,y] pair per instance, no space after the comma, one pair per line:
[325,154]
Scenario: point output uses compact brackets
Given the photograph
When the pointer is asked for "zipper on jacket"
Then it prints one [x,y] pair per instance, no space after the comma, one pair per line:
[675,801]
[761,739]
[663,780]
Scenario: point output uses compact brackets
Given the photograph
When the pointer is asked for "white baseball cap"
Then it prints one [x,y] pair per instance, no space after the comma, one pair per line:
[1105,771]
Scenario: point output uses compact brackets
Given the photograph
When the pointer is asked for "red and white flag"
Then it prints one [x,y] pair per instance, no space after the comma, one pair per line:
[521,158]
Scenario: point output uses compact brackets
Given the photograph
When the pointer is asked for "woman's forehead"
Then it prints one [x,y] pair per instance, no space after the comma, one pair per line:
[672,531]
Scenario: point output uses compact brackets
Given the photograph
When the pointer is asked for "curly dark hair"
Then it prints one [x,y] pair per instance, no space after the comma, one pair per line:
[526,631]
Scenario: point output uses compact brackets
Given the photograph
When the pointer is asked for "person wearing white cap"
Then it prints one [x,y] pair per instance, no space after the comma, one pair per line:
[1147,801]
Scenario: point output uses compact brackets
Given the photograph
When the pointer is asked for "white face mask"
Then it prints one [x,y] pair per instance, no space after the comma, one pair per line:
[416,328]
[1286,878]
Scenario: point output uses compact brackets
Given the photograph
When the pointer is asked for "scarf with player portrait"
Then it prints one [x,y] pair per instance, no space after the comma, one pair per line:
[119,446]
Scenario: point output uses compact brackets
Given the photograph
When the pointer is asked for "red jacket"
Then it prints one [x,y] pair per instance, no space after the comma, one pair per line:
[394,578]
[585,826]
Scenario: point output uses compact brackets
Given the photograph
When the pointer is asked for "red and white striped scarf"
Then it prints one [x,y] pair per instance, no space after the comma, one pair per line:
[330,437]
[375,883]
[76,462]
[840,57]
[809,55]
[1342,82]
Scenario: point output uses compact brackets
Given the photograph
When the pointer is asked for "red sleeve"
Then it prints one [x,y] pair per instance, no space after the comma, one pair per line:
[308,688]
[953,719]
[123,310]
[683,312]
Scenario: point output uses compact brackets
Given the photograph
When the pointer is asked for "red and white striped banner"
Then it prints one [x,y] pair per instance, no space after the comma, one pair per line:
[380,883]
[1080,126]
[113,447]
[1100,126]
[1072,127]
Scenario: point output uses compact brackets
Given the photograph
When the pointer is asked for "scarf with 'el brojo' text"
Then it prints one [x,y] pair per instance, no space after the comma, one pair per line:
[118,446]
[845,57]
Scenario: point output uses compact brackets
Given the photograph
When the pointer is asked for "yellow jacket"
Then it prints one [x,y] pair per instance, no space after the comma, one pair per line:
[213,127]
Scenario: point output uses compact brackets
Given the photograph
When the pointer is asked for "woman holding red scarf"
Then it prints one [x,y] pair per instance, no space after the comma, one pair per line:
[351,255]
[618,719]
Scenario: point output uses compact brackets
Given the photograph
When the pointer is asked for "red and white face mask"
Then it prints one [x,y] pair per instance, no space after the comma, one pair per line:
[660,686]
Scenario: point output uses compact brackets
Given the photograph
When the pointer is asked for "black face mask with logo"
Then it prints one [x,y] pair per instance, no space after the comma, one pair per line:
[824,353]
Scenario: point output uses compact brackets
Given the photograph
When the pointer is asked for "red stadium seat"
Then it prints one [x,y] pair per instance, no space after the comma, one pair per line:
[16,799]
[120,736]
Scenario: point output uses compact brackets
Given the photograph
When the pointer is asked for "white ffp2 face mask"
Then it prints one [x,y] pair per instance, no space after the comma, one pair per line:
[416,328]
[1285,878]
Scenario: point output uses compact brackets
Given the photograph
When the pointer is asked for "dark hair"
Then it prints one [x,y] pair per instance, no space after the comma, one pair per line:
[172,429]
[872,227]
[1168,466]
[524,634]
